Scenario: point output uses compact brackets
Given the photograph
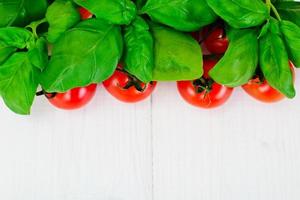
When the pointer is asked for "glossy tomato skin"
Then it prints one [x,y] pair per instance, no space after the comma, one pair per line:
[216,96]
[262,91]
[216,42]
[116,86]
[84,13]
[73,99]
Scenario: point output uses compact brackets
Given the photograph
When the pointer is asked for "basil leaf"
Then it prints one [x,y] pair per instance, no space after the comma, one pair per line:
[16,37]
[114,11]
[75,65]
[10,9]
[35,9]
[140,3]
[289,10]
[18,83]
[292,40]
[241,13]
[177,56]
[274,61]
[11,39]
[21,12]
[139,55]
[38,55]
[61,16]
[5,51]
[239,63]
[183,15]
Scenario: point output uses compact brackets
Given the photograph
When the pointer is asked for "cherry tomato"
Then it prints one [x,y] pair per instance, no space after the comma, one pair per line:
[215,39]
[197,36]
[204,92]
[259,89]
[84,13]
[73,99]
[126,88]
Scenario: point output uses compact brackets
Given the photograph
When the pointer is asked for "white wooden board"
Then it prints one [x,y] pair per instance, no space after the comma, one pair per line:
[161,149]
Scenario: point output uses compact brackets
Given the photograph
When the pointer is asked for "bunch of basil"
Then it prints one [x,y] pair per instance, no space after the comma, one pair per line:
[151,37]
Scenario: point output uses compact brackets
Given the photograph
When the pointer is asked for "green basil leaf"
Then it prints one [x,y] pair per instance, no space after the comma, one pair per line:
[264,30]
[114,11]
[18,83]
[274,61]
[36,9]
[140,3]
[183,15]
[289,10]
[139,51]
[292,40]
[16,37]
[11,39]
[5,52]
[177,56]
[21,12]
[38,55]
[10,10]
[61,16]
[239,63]
[75,65]
[241,13]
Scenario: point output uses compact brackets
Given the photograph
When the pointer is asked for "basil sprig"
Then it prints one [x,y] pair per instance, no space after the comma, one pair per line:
[18,76]
[148,36]
[274,61]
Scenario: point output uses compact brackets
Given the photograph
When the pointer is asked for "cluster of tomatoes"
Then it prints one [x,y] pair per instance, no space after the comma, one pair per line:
[203,92]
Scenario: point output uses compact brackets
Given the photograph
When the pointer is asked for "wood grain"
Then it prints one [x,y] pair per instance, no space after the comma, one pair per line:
[101,152]
[161,149]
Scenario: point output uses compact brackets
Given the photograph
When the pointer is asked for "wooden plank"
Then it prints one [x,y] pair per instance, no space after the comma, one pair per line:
[244,150]
[101,152]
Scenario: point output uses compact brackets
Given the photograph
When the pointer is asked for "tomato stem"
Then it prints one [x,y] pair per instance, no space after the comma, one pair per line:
[47,95]
[202,85]
[40,93]
[135,82]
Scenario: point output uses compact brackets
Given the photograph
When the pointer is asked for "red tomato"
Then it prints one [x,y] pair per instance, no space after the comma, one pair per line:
[260,89]
[85,14]
[204,92]
[215,40]
[197,36]
[73,99]
[127,88]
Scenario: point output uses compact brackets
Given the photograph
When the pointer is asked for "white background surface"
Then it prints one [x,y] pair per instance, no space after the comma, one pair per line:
[161,149]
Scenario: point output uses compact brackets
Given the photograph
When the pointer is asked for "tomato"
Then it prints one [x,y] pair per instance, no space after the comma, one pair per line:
[259,89]
[197,36]
[126,88]
[73,99]
[204,92]
[84,13]
[215,39]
